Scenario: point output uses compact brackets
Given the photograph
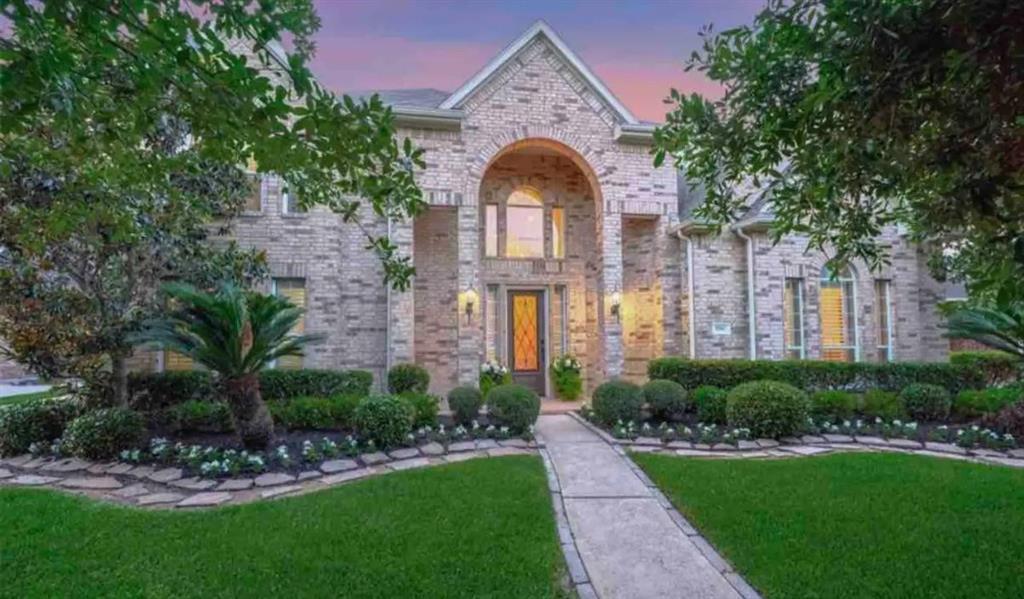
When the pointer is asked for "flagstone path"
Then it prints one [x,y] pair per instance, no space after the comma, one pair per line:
[624,538]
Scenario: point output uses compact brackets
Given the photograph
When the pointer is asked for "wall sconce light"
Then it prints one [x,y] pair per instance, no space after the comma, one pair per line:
[469,299]
[616,304]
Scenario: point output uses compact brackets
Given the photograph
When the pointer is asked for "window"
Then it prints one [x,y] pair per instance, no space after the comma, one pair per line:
[883,308]
[491,230]
[524,234]
[290,202]
[558,233]
[837,306]
[254,199]
[295,291]
[175,362]
[793,318]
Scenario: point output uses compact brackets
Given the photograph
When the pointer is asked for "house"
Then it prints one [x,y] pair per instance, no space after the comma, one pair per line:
[549,231]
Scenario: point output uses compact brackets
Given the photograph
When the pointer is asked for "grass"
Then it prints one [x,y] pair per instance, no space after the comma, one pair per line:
[482,528]
[23,397]
[857,525]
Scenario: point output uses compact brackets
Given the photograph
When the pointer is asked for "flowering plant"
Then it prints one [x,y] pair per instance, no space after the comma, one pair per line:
[565,376]
[492,374]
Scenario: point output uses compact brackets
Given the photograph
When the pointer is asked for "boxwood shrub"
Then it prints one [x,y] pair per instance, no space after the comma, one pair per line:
[424,408]
[811,375]
[337,411]
[102,434]
[617,400]
[882,404]
[833,405]
[974,404]
[514,406]
[768,408]
[666,399]
[201,416]
[926,402]
[405,378]
[384,419]
[710,403]
[999,367]
[465,404]
[36,421]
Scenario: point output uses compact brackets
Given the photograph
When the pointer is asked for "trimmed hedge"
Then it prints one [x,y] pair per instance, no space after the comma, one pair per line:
[769,409]
[384,419]
[160,390]
[999,367]
[812,375]
[337,411]
[833,405]
[973,404]
[465,404]
[102,434]
[666,399]
[37,421]
[514,406]
[424,408]
[617,400]
[408,378]
[710,402]
[882,404]
[201,416]
[926,402]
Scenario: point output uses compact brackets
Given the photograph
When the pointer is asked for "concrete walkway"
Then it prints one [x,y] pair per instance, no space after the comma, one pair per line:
[628,543]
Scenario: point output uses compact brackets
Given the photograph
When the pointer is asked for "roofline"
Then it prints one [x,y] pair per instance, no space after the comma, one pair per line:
[690,225]
[428,118]
[642,133]
[539,27]
[757,223]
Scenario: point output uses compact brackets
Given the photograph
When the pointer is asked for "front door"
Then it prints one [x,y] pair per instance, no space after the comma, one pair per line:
[526,338]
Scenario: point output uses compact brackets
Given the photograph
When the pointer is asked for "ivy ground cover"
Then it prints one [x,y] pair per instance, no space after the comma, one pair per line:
[482,528]
[856,524]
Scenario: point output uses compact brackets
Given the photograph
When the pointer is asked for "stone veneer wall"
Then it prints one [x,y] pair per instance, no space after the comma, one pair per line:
[641,311]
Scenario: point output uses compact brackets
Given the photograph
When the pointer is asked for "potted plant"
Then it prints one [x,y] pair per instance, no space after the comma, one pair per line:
[492,374]
[566,377]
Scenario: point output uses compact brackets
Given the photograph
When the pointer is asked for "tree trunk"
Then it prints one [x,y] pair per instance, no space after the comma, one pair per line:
[249,413]
[119,378]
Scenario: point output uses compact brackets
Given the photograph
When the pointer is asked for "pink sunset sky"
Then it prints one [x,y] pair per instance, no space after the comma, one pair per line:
[638,48]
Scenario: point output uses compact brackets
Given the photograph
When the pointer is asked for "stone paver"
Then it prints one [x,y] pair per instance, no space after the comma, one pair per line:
[166,475]
[193,484]
[120,468]
[433,448]
[344,477]
[308,475]
[462,446]
[5,473]
[33,480]
[159,498]
[105,483]
[486,444]
[452,458]
[409,464]
[68,465]
[627,544]
[335,466]
[235,484]
[278,491]
[520,443]
[205,499]
[404,453]
[371,459]
[805,450]
[18,461]
[272,479]
[131,491]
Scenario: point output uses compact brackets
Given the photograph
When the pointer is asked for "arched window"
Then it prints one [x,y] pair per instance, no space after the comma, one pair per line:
[524,228]
[837,307]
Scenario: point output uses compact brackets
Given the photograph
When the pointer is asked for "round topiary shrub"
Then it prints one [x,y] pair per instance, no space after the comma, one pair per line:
[666,399]
[465,404]
[617,400]
[405,378]
[514,406]
[424,408]
[38,421]
[384,419]
[102,434]
[926,402]
[768,408]
[710,402]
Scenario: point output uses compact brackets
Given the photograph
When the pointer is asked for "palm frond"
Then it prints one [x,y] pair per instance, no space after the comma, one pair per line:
[998,327]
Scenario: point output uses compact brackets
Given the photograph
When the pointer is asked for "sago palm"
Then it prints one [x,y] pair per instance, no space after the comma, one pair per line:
[999,327]
[235,334]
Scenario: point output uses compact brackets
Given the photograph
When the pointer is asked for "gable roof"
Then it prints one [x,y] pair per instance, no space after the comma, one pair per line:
[542,30]
[425,97]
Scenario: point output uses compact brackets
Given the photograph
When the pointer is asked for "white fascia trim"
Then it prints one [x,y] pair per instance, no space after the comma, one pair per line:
[539,28]
[428,118]
[637,134]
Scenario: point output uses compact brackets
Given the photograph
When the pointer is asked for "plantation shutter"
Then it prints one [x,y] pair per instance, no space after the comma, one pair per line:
[294,290]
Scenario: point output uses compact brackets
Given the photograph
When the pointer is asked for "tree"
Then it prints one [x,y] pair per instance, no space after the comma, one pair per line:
[235,334]
[125,124]
[862,114]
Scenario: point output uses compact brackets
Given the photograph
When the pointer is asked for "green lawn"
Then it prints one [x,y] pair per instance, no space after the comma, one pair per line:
[857,525]
[23,397]
[482,528]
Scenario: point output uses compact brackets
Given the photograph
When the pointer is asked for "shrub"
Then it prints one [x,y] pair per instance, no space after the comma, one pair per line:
[202,416]
[998,367]
[37,421]
[102,434]
[812,375]
[384,419]
[286,384]
[974,404]
[768,408]
[565,377]
[882,404]
[666,399]
[424,408]
[465,404]
[833,405]
[315,412]
[403,378]
[151,391]
[514,406]
[1008,421]
[925,402]
[492,374]
[710,402]
[617,400]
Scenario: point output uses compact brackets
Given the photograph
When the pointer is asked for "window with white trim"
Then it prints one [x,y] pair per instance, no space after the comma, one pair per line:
[793,318]
[883,311]
[294,290]
[524,224]
[837,310]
